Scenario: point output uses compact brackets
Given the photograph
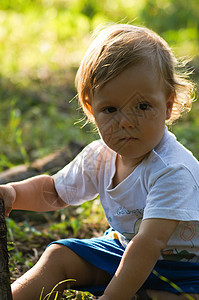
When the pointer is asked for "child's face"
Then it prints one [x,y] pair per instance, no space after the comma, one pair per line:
[130,111]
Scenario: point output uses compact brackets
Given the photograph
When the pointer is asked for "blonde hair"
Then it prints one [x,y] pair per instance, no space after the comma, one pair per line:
[116,47]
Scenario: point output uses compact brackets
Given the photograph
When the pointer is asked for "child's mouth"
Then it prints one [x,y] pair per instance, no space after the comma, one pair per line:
[128,139]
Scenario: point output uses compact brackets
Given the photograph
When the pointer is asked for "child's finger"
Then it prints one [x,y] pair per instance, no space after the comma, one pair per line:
[8,194]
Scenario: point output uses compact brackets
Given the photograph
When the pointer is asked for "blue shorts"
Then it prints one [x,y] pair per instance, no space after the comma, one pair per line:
[106,252]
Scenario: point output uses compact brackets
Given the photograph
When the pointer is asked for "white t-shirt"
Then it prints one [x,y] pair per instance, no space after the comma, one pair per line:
[164,185]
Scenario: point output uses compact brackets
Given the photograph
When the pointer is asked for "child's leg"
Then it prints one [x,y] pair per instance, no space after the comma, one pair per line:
[57,264]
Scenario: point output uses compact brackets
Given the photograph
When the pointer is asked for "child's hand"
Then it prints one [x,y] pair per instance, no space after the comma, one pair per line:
[8,194]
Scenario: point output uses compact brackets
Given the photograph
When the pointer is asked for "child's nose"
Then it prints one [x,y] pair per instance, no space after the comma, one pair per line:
[127,121]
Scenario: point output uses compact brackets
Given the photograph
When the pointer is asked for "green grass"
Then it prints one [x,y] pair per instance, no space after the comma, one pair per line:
[69,295]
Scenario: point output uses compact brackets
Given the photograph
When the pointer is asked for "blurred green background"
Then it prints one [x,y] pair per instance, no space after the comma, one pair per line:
[41,45]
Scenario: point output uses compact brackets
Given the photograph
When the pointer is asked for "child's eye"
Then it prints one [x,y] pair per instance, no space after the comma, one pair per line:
[110,109]
[143,106]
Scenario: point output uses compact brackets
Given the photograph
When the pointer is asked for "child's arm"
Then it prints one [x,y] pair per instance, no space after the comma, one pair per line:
[139,258]
[36,194]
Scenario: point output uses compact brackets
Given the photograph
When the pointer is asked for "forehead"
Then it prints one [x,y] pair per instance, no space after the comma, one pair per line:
[142,79]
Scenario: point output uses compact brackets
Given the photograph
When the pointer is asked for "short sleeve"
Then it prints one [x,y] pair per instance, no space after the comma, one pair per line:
[173,194]
[77,181]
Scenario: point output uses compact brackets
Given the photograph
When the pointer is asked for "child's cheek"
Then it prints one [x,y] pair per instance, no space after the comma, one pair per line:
[108,129]
[148,115]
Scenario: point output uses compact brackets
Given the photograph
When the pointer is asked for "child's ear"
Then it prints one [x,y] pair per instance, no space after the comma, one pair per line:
[87,103]
[169,105]
[90,115]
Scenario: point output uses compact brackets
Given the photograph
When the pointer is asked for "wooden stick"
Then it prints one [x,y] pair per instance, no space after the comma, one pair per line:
[5,290]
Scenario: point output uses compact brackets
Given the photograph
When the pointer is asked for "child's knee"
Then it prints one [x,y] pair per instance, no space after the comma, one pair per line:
[69,265]
[61,258]
[55,250]
[53,257]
